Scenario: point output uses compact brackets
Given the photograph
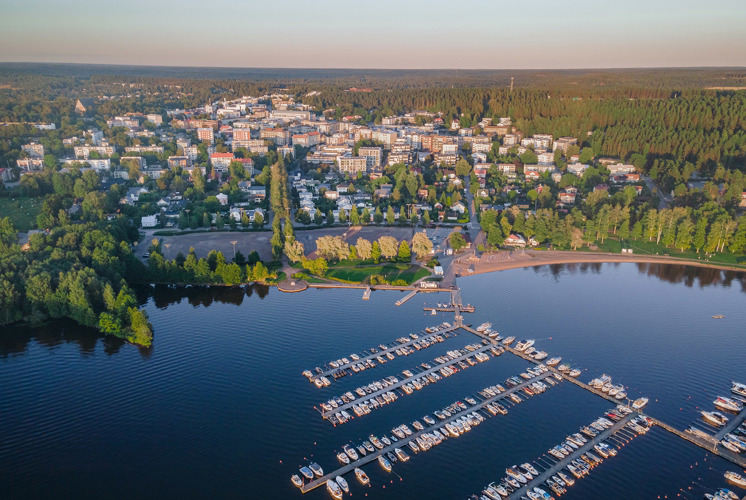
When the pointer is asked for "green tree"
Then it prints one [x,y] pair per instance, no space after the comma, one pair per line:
[354,217]
[378,216]
[457,241]
[390,215]
[405,254]
[426,218]
[375,252]
[700,234]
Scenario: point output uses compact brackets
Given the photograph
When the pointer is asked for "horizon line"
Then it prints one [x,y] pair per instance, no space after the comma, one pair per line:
[358,68]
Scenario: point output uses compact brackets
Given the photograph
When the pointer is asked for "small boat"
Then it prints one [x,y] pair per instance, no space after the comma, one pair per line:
[718,316]
[342,484]
[295,478]
[739,389]
[640,403]
[715,418]
[401,454]
[369,446]
[554,361]
[350,452]
[736,479]
[728,404]
[508,340]
[385,464]
[362,476]
[316,468]
[307,473]
[574,372]
[342,457]
[334,489]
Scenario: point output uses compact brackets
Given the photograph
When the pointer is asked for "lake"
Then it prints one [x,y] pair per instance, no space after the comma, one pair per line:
[218,407]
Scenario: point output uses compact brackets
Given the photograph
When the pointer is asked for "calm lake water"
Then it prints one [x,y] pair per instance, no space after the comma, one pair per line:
[218,407]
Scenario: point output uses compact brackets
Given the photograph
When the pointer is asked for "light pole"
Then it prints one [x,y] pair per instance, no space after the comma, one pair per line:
[167,245]
[234,250]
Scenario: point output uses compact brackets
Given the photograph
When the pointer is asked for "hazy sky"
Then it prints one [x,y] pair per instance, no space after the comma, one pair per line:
[481,34]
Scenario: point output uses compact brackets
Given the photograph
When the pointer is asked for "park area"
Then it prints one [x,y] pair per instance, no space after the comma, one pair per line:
[22,211]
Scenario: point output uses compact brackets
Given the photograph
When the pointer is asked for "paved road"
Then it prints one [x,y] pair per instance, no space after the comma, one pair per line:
[663,201]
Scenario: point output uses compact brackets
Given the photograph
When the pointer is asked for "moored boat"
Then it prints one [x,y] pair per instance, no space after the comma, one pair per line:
[307,473]
[714,418]
[385,464]
[739,389]
[316,468]
[333,488]
[728,404]
[342,484]
[295,478]
[736,478]
[640,403]
[362,476]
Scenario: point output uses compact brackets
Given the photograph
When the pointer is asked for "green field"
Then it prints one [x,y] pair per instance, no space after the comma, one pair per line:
[389,271]
[640,247]
[22,211]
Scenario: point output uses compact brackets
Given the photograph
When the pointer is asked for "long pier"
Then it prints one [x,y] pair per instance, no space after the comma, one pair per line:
[402,442]
[407,297]
[557,467]
[712,444]
[391,346]
[404,381]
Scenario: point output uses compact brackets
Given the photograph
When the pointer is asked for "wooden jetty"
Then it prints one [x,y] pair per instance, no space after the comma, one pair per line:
[366,294]
[710,444]
[561,464]
[391,346]
[406,380]
[407,297]
[306,487]
[453,309]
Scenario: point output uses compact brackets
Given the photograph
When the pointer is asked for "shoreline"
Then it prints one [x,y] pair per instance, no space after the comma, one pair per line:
[533,258]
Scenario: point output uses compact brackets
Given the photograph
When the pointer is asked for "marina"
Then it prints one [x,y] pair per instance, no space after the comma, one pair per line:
[490,343]
[562,464]
[470,351]
[343,369]
[306,487]
[633,348]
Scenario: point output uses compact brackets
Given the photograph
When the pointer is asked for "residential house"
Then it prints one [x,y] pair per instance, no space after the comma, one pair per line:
[515,240]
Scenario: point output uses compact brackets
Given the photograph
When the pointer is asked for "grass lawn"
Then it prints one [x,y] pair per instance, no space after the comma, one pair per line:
[651,248]
[389,271]
[22,211]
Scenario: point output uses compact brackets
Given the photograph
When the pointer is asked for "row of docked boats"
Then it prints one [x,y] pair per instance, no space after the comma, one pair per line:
[522,476]
[382,354]
[734,441]
[375,395]
[605,385]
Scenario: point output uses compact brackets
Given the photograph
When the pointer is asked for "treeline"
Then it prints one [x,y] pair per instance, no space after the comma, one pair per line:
[212,270]
[78,271]
[709,229]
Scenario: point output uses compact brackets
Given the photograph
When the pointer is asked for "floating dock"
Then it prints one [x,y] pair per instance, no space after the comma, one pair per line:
[391,346]
[404,381]
[712,445]
[407,297]
[402,442]
[561,464]
[366,294]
